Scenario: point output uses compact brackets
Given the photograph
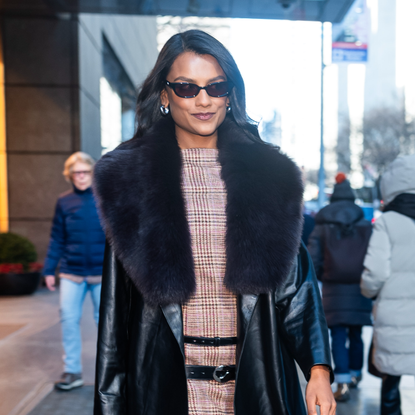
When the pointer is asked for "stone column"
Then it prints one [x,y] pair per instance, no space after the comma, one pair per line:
[42,117]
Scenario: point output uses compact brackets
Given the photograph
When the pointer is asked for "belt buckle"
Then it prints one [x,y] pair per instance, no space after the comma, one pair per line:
[221,378]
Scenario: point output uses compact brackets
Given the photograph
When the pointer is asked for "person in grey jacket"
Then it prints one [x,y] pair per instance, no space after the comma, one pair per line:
[389,276]
[338,246]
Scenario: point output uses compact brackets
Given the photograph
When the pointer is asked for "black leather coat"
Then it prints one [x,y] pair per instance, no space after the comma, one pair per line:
[148,274]
[140,363]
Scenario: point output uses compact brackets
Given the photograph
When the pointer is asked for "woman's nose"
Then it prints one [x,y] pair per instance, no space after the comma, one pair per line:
[203,99]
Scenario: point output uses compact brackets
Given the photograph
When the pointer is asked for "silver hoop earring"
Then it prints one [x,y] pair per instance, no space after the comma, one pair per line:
[228,109]
[164,110]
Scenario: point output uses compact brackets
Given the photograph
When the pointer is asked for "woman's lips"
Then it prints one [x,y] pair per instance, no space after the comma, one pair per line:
[204,116]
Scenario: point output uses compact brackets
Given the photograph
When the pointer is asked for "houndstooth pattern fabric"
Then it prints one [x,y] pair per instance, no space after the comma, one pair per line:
[211,312]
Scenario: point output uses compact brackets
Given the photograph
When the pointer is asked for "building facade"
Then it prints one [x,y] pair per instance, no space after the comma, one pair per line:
[69,84]
[376,99]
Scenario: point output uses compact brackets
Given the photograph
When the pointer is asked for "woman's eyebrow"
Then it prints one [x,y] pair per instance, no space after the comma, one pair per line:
[184,79]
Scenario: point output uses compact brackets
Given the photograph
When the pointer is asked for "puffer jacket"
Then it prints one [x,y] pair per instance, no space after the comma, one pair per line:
[389,276]
[77,240]
[337,246]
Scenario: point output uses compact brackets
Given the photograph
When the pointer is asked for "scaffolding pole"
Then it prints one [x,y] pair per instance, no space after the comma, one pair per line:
[321,173]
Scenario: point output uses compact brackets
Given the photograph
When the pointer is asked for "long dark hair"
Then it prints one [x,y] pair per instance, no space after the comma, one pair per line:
[148,101]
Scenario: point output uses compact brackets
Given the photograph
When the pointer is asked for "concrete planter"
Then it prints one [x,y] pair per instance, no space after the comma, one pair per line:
[19,284]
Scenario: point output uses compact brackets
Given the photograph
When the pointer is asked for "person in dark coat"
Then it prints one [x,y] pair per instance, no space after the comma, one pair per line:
[308,227]
[77,245]
[208,299]
[337,247]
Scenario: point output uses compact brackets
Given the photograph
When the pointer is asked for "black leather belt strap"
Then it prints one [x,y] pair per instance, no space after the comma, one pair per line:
[211,341]
[221,373]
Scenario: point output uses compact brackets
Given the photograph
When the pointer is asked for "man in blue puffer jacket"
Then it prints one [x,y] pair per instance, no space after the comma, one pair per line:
[77,244]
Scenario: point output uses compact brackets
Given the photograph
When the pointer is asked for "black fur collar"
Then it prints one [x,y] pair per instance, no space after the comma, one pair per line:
[138,186]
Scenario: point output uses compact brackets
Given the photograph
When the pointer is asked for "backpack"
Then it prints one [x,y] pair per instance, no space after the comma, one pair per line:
[344,251]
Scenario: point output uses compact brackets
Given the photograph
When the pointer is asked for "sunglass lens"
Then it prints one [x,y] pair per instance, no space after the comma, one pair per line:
[218,89]
[186,90]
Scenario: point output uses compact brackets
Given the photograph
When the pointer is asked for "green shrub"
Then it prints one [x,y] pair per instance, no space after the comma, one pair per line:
[15,249]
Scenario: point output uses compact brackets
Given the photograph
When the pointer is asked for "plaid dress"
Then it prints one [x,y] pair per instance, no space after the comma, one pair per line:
[211,312]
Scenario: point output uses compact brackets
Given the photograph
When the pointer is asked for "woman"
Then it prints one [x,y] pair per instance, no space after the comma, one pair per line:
[77,244]
[389,276]
[337,247]
[205,302]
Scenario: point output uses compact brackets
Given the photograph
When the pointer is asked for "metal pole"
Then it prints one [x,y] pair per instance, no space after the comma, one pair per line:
[321,173]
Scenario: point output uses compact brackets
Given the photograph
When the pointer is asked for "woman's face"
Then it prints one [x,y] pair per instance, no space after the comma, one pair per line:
[197,119]
[81,175]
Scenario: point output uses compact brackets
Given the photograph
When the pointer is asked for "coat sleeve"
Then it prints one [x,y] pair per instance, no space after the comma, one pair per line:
[57,241]
[377,261]
[304,327]
[112,347]
[315,248]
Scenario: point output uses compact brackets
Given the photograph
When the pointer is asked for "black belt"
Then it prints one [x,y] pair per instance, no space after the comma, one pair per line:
[211,341]
[221,373]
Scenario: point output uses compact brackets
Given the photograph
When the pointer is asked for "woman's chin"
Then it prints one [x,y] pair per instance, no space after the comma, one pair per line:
[207,131]
[82,186]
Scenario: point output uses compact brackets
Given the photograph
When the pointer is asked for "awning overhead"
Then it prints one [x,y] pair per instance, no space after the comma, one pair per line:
[314,10]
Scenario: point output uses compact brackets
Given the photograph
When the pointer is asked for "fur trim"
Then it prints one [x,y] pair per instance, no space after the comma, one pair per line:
[138,186]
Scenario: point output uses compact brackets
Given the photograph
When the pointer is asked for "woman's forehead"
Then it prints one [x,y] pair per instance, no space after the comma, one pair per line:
[191,67]
[81,164]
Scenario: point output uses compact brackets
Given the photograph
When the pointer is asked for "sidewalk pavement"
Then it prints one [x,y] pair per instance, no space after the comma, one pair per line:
[366,399]
[31,360]
[31,350]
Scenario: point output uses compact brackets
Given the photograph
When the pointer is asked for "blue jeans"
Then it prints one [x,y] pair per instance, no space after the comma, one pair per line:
[72,296]
[348,362]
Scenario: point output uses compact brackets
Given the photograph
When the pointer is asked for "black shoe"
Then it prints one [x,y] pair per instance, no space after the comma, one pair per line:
[342,393]
[355,381]
[69,381]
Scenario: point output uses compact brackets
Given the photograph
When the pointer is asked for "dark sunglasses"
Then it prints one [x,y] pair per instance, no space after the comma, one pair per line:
[186,90]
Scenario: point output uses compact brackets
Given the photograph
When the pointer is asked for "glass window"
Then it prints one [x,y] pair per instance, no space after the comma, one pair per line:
[118,97]
[111,116]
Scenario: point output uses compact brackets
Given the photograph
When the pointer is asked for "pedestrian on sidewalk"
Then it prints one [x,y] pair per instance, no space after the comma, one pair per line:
[308,227]
[389,277]
[337,247]
[207,296]
[77,245]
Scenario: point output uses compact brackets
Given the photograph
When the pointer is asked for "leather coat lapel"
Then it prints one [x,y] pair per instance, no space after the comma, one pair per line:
[173,315]
[246,307]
